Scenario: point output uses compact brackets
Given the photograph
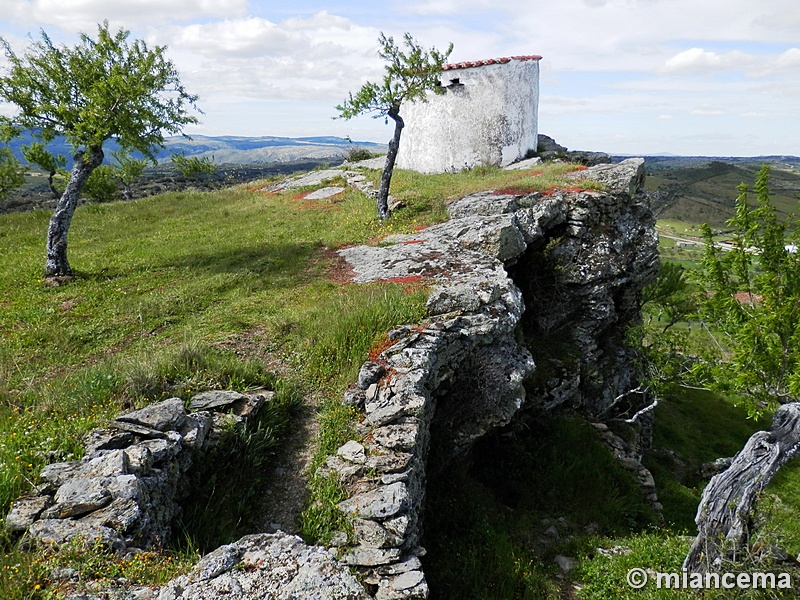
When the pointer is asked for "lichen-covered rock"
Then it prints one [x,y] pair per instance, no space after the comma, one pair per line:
[274,566]
[25,511]
[168,415]
[125,491]
[56,532]
[382,502]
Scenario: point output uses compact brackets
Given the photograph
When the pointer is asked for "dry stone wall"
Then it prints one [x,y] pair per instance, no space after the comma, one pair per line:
[126,490]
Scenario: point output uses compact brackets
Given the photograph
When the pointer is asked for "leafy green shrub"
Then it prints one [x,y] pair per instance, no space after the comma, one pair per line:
[357,153]
[193,167]
[11,173]
[36,153]
[102,184]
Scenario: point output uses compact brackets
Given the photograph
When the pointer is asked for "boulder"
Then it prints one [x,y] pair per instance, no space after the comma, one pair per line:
[168,415]
[270,565]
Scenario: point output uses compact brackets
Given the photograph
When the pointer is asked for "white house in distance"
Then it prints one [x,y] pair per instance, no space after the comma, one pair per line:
[488,115]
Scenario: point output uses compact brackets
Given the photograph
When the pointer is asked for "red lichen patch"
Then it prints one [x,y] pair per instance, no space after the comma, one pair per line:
[410,283]
[413,242]
[338,269]
[377,349]
[580,168]
[420,227]
[407,280]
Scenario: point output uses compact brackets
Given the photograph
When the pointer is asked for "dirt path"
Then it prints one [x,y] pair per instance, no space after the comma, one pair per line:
[285,490]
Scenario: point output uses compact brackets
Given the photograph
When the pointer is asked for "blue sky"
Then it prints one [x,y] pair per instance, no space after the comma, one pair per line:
[704,77]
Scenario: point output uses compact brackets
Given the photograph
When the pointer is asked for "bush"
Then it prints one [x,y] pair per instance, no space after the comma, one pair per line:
[102,184]
[193,167]
[11,174]
[357,153]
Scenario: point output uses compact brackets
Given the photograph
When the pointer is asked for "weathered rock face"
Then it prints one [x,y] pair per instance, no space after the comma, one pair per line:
[127,488]
[577,260]
[582,290]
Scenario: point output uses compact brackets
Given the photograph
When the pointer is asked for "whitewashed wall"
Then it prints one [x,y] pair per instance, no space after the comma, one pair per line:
[489,118]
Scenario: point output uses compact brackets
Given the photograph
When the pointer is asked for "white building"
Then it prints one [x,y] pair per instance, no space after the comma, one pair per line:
[488,115]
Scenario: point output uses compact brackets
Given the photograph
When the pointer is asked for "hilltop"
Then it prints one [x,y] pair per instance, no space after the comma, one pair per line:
[232,149]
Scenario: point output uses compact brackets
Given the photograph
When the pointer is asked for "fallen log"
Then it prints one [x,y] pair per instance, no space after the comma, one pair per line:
[724,515]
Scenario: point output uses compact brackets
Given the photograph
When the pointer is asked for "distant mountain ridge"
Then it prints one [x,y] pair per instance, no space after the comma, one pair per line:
[231,149]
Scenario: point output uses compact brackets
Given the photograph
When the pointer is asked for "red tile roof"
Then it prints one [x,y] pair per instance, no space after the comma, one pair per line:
[491,61]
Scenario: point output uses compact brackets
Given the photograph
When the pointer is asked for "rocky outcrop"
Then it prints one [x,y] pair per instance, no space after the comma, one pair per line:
[575,259]
[126,490]
[548,149]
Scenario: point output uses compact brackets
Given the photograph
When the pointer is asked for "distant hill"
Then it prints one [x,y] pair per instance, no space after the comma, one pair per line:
[703,189]
[267,149]
[234,149]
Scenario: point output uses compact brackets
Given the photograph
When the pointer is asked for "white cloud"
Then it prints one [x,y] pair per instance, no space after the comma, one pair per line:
[609,65]
[452,7]
[320,57]
[244,38]
[789,59]
[83,15]
[698,60]
[707,111]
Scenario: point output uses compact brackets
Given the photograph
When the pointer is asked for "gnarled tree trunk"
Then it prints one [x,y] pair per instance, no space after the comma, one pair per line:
[388,169]
[84,163]
[724,515]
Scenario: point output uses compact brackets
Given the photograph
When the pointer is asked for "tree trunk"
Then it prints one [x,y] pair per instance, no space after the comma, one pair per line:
[724,515]
[52,186]
[84,163]
[391,156]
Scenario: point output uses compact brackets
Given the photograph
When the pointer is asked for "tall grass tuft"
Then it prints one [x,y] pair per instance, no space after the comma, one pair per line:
[338,335]
[225,485]
[179,371]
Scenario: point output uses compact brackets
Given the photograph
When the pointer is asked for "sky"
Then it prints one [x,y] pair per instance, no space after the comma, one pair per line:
[686,77]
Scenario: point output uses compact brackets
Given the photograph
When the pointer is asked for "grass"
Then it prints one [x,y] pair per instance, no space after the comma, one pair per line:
[34,575]
[233,474]
[430,194]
